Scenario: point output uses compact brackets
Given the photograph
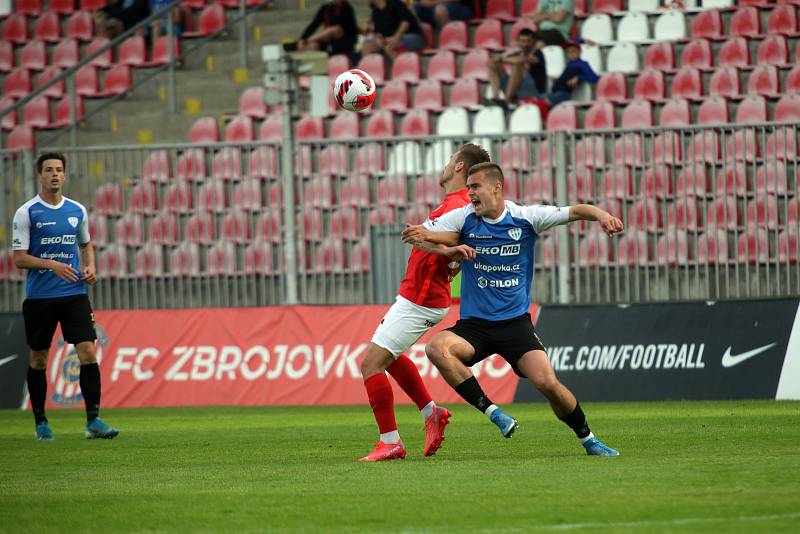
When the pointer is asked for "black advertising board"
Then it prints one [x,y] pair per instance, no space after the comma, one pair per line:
[693,350]
[14,359]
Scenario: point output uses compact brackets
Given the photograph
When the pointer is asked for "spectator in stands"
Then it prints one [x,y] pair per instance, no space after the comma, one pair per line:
[528,77]
[393,29]
[576,71]
[440,12]
[339,29]
[159,26]
[119,16]
[554,18]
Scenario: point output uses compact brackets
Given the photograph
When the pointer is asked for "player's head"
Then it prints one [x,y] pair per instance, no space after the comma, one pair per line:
[50,171]
[461,162]
[486,183]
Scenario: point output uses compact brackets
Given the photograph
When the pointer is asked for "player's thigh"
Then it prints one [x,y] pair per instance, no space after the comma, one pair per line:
[41,319]
[446,344]
[536,366]
[404,324]
[77,320]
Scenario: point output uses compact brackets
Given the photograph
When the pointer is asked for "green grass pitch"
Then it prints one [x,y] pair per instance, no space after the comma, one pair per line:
[685,467]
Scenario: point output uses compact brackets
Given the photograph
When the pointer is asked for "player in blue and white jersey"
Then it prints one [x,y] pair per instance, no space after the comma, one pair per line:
[495,296]
[51,240]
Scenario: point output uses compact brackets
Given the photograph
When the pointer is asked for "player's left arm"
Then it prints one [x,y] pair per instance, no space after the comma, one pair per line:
[586,212]
[86,251]
[456,252]
[445,230]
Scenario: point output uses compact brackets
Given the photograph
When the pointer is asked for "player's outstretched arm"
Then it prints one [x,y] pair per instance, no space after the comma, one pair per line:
[23,260]
[417,233]
[585,212]
[455,253]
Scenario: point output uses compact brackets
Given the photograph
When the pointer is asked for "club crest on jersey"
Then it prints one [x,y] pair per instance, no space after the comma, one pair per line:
[65,368]
[73,221]
[515,233]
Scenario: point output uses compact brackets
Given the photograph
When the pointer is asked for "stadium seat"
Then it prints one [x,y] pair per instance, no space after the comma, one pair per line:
[65,54]
[17,83]
[47,27]
[329,257]
[263,163]
[764,81]
[104,60]
[345,224]
[538,188]
[227,164]
[670,26]
[442,66]
[692,180]
[20,138]
[628,150]
[707,25]
[633,28]
[623,57]
[660,56]
[683,214]
[334,160]
[211,197]
[607,6]
[258,258]
[773,50]
[240,129]
[309,225]
[753,246]
[650,85]
[528,8]
[518,26]
[489,121]
[204,131]
[787,108]
[98,229]
[733,180]
[658,182]
[57,89]
[405,158]
[130,230]
[504,10]
[160,53]
[712,247]
[177,198]
[788,246]
[594,250]
[9,119]
[428,191]
[381,215]
[453,121]
[745,22]
[600,115]
[772,179]
[93,5]
[191,165]
[6,56]
[673,249]
[676,112]
[354,192]
[63,112]
[525,119]
[108,200]
[762,212]
[428,96]
[392,191]
[80,26]
[272,128]
[591,54]
[704,147]
[735,52]
[475,65]
[613,87]
[793,214]
[633,249]
[725,82]
[563,117]
[454,36]
[407,67]
[184,260]
[645,214]
[345,126]
[752,109]
[667,148]
[221,259]
[235,228]
[112,262]
[309,127]
[337,63]
[580,185]
[319,193]
[416,123]
[781,144]
[465,93]
[370,159]
[637,114]
[590,152]
[554,60]
[515,154]
[782,20]
[698,54]
[489,35]
[156,166]
[211,20]
[200,229]
[687,84]
[143,199]
[36,113]
[380,124]
[164,229]
[15,28]
[375,65]
[28,7]
[713,110]
[149,261]
[118,80]
[247,196]
[598,28]
[617,184]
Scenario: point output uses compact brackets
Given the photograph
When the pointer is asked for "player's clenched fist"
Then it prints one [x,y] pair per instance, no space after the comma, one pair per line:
[611,225]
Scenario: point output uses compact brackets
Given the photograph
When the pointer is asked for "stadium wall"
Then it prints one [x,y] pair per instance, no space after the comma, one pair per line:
[306,355]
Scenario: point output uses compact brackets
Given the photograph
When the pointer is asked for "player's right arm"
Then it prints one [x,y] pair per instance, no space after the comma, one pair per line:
[456,253]
[586,212]
[23,260]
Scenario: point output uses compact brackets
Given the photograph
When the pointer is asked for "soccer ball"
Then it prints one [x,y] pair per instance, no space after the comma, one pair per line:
[354,90]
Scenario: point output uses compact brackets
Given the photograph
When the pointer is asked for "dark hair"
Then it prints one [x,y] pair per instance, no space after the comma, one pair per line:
[529,32]
[491,170]
[48,155]
[472,154]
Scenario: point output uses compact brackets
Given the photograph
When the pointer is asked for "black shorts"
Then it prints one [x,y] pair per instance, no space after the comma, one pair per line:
[510,338]
[43,315]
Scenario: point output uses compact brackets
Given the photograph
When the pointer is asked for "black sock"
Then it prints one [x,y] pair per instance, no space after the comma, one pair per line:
[577,422]
[90,387]
[37,389]
[471,392]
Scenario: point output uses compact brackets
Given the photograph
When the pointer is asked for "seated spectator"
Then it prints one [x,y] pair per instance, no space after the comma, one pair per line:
[440,12]
[528,77]
[159,26]
[394,29]
[576,71]
[554,18]
[338,33]
[119,16]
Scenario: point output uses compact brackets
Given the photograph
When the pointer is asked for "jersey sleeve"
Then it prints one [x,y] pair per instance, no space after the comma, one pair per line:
[83,232]
[452,221]
[21,233]
[545,217]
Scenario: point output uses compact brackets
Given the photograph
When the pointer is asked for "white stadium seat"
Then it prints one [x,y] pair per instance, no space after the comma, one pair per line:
[633,28]
[490,120]
[644,5]
[453,121]
[405,158]
[717,3]
[598,28]
[525,119]
[591,54]
[624,57]
[670,26]
[554,61]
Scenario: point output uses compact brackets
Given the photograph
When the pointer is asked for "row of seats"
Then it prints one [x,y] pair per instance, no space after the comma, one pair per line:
[67,7]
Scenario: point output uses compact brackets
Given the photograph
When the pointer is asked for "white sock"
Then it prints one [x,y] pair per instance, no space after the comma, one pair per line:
[490,410]
[390,437]
[428,410]
[587,438]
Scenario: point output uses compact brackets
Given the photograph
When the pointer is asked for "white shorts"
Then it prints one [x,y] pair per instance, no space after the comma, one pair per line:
[404,324]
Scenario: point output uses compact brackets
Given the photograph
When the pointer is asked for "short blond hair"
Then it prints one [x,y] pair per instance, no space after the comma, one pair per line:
[490,170]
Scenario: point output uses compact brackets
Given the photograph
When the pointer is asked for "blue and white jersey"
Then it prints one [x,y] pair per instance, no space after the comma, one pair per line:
[497,285]
[52,233]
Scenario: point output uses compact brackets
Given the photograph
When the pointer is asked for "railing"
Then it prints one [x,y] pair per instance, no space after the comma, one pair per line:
[700,223]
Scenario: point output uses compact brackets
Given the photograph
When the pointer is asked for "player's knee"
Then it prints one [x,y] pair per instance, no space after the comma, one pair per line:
[436,350]
[546,384]
[86,353]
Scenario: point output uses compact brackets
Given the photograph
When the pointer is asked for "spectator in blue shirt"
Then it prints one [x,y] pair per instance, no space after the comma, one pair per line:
[159,26]
[576,71]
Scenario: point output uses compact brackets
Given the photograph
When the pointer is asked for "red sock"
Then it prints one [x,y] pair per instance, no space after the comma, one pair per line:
[381,399]
[405,372]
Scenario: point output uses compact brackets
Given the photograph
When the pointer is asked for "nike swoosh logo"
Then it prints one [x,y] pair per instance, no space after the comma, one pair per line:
[729,360]
[8,359]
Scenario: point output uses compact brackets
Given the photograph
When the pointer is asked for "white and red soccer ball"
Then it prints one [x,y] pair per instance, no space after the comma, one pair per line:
[354,90]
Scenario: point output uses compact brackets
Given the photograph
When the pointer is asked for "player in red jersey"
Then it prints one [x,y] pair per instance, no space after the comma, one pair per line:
[423,301]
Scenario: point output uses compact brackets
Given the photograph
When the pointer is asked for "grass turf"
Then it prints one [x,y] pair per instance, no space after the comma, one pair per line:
[685,466]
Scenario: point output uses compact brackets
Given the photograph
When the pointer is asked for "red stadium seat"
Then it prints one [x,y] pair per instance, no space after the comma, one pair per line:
[191,165]
[698,54]
[713,110]
[272,128]
[263,163]
[563,117]
[773,51]
[650,85]
[407,67]
[600,116]
[416,123]
[20,138]
[645,214]
[594,250]
[268,227]
[580,185]
[675,112]
[204,131]
[684,214]
[98,229]
[309,225]
[63,112]
[429,96]
[200,229]
[381,215]
[62,7]
[529,7]
[375,65]
[465,93]
[381,124]
[538,188]
[252,104]
[133,51]
[660,56]
[788,108]
[17,83]
[781,144]
[329,257]
[687,83]
[57,89]
[345,126]
[454,36]
[130,230]
[6,56]
[160,54]
[337,64]
[104,60]
[156,167]
[628,150]
[345,224]
[235,228]
[80,26]
[753,246]
[354,192]
[708,25]
[752,109]
[319,193]
[673,249]
[143,199]
[725,82]
[9,119]
[177,198]
[515,153]
[227,164]
[633,249]
[247,196]
[427,34]
[793,80]
[607,6]
[47,27]
[258,258]
[392,191]
[613,87]
[87,82]
[428,190]
[112,262]
[617,183]
[108,199]
[334,160]
[394,96]
[637,114]
[658,182]
[705,147]
[309,127]
[782,20]
[28,7]
[93,5]
[370,159]
[442,66]
[66,54]
[475,65]
[762,212]
[745,22]
[667,148]
[733,180]
[504,10]
[185,260]
[735,52]
[221,259]
[36,113]
[788,246]
[15,28]
[211,20]
[489,35]
[764,81]
[150,261]
[693,180]
[240,129]
[712,247]
[590,152]
[118,80]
